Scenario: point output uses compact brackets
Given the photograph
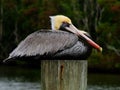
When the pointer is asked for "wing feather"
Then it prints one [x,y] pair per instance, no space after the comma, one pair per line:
[44,43]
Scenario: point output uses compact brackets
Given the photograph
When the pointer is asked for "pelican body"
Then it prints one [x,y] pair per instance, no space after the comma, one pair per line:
[64,42]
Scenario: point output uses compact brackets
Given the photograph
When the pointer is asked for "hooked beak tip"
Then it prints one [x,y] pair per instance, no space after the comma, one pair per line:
[100,49]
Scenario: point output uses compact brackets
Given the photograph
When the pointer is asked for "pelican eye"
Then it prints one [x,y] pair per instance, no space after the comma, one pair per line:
[64,24]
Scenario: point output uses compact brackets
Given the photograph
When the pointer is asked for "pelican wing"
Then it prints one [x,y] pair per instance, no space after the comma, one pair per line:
[44,43]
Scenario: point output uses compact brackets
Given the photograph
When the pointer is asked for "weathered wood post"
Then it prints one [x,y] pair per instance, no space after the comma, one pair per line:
[64,75]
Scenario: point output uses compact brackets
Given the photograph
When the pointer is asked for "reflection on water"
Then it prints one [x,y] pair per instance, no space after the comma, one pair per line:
[103,82]
[18,85]
[17,78]
[104,87]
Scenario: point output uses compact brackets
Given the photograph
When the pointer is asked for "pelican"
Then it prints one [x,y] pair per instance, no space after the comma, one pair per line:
[64,41]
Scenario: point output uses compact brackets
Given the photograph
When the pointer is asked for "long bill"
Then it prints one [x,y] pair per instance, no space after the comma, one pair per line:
[73,29]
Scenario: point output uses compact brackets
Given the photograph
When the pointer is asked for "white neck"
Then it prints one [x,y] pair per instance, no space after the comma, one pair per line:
[52,22]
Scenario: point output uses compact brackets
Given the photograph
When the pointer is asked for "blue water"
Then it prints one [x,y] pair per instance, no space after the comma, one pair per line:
[17,78]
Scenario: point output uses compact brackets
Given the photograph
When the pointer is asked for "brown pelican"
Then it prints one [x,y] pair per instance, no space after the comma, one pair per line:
[64,41]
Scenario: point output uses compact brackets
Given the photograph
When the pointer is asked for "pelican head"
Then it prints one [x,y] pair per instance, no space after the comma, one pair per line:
[58,20]
[61,22]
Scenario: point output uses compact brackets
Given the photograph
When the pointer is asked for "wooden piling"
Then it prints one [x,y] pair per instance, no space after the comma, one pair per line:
[64,75]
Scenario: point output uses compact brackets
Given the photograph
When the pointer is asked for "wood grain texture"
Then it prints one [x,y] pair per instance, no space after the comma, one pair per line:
[64,75]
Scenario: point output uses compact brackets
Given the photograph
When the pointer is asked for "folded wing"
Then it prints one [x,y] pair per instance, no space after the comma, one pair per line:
[44,43]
